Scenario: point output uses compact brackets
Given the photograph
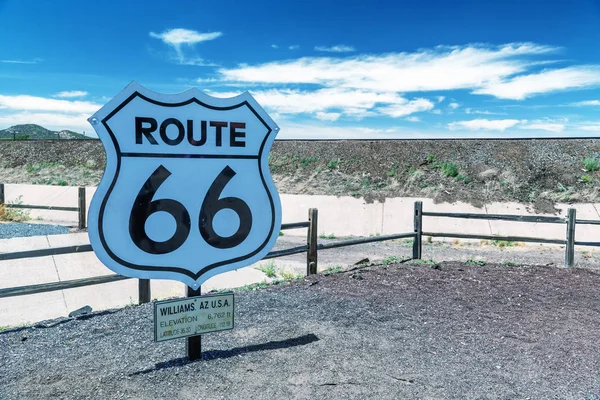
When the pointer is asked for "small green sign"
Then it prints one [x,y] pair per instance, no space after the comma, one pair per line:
[192,316]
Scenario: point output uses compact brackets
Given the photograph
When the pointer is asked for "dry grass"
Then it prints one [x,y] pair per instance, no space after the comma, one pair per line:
[13,214]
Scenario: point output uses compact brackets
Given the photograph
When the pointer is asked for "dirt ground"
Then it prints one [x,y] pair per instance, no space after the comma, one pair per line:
[494,323]
[448,330]
[475,252]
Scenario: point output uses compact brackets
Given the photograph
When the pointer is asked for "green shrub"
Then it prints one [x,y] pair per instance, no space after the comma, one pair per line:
[333,164]
[476,262]
[336,269]
[464,179]
[324,236]
[391,260]
[392,172]
[423,262]
[307,160]
[289,275]
[591,164]
[503,243]
[268,269]
[449,168]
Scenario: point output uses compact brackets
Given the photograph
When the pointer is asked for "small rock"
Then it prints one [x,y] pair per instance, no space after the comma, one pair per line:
[488,174]
[80,311]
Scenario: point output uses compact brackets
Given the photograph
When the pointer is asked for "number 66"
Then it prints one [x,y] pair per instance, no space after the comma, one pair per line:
[144,207]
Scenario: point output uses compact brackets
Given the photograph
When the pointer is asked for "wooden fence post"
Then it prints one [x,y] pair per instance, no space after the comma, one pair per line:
[1,193]
[418,240]
[82,208]
[311,252]
[570,245]
[143,291]
[193,344]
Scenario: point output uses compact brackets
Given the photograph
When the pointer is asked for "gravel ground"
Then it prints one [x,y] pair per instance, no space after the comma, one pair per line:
[445,331]
[20,229]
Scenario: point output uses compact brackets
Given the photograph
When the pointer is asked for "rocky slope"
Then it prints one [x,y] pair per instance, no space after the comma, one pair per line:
[539,172]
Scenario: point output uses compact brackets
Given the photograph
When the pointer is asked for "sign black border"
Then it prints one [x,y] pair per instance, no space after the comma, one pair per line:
[179,270]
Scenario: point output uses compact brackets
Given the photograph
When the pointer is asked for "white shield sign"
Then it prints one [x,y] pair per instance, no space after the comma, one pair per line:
[187,192]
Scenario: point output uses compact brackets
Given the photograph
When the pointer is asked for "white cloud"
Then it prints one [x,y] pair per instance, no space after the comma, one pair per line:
[440,98]
[482,112]
[322,131]
[586,103]
[72,93]
[54,114]
[590,127]
[328,116]
[274,46]
[356,104]
[177,38]
[294,47]
[32,103]
[524,86]
[544,126]
[413,119]
[442,68]
[206,80]
[400,109]
[454,106]
[340,48]
[549,125]
[484,124]
[34,61]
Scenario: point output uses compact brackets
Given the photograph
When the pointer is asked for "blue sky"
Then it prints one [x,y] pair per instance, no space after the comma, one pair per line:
[322,69]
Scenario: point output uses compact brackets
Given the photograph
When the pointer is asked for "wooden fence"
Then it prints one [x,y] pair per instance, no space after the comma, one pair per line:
[312,247]
[80,209]
[570,221]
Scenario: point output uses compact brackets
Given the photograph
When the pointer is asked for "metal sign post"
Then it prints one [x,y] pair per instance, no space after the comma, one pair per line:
[193,344]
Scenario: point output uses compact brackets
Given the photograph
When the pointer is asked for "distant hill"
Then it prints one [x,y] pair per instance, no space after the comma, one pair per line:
[36,132]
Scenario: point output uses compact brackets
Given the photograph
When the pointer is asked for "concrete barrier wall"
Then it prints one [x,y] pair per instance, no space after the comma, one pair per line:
[348,216]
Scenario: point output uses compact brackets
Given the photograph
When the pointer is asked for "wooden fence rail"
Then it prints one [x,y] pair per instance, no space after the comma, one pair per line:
[311,248]
[571,222]
[144,295]
[80,209]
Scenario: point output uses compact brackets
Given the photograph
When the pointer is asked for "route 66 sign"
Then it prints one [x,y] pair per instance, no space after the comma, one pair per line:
[187,192]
